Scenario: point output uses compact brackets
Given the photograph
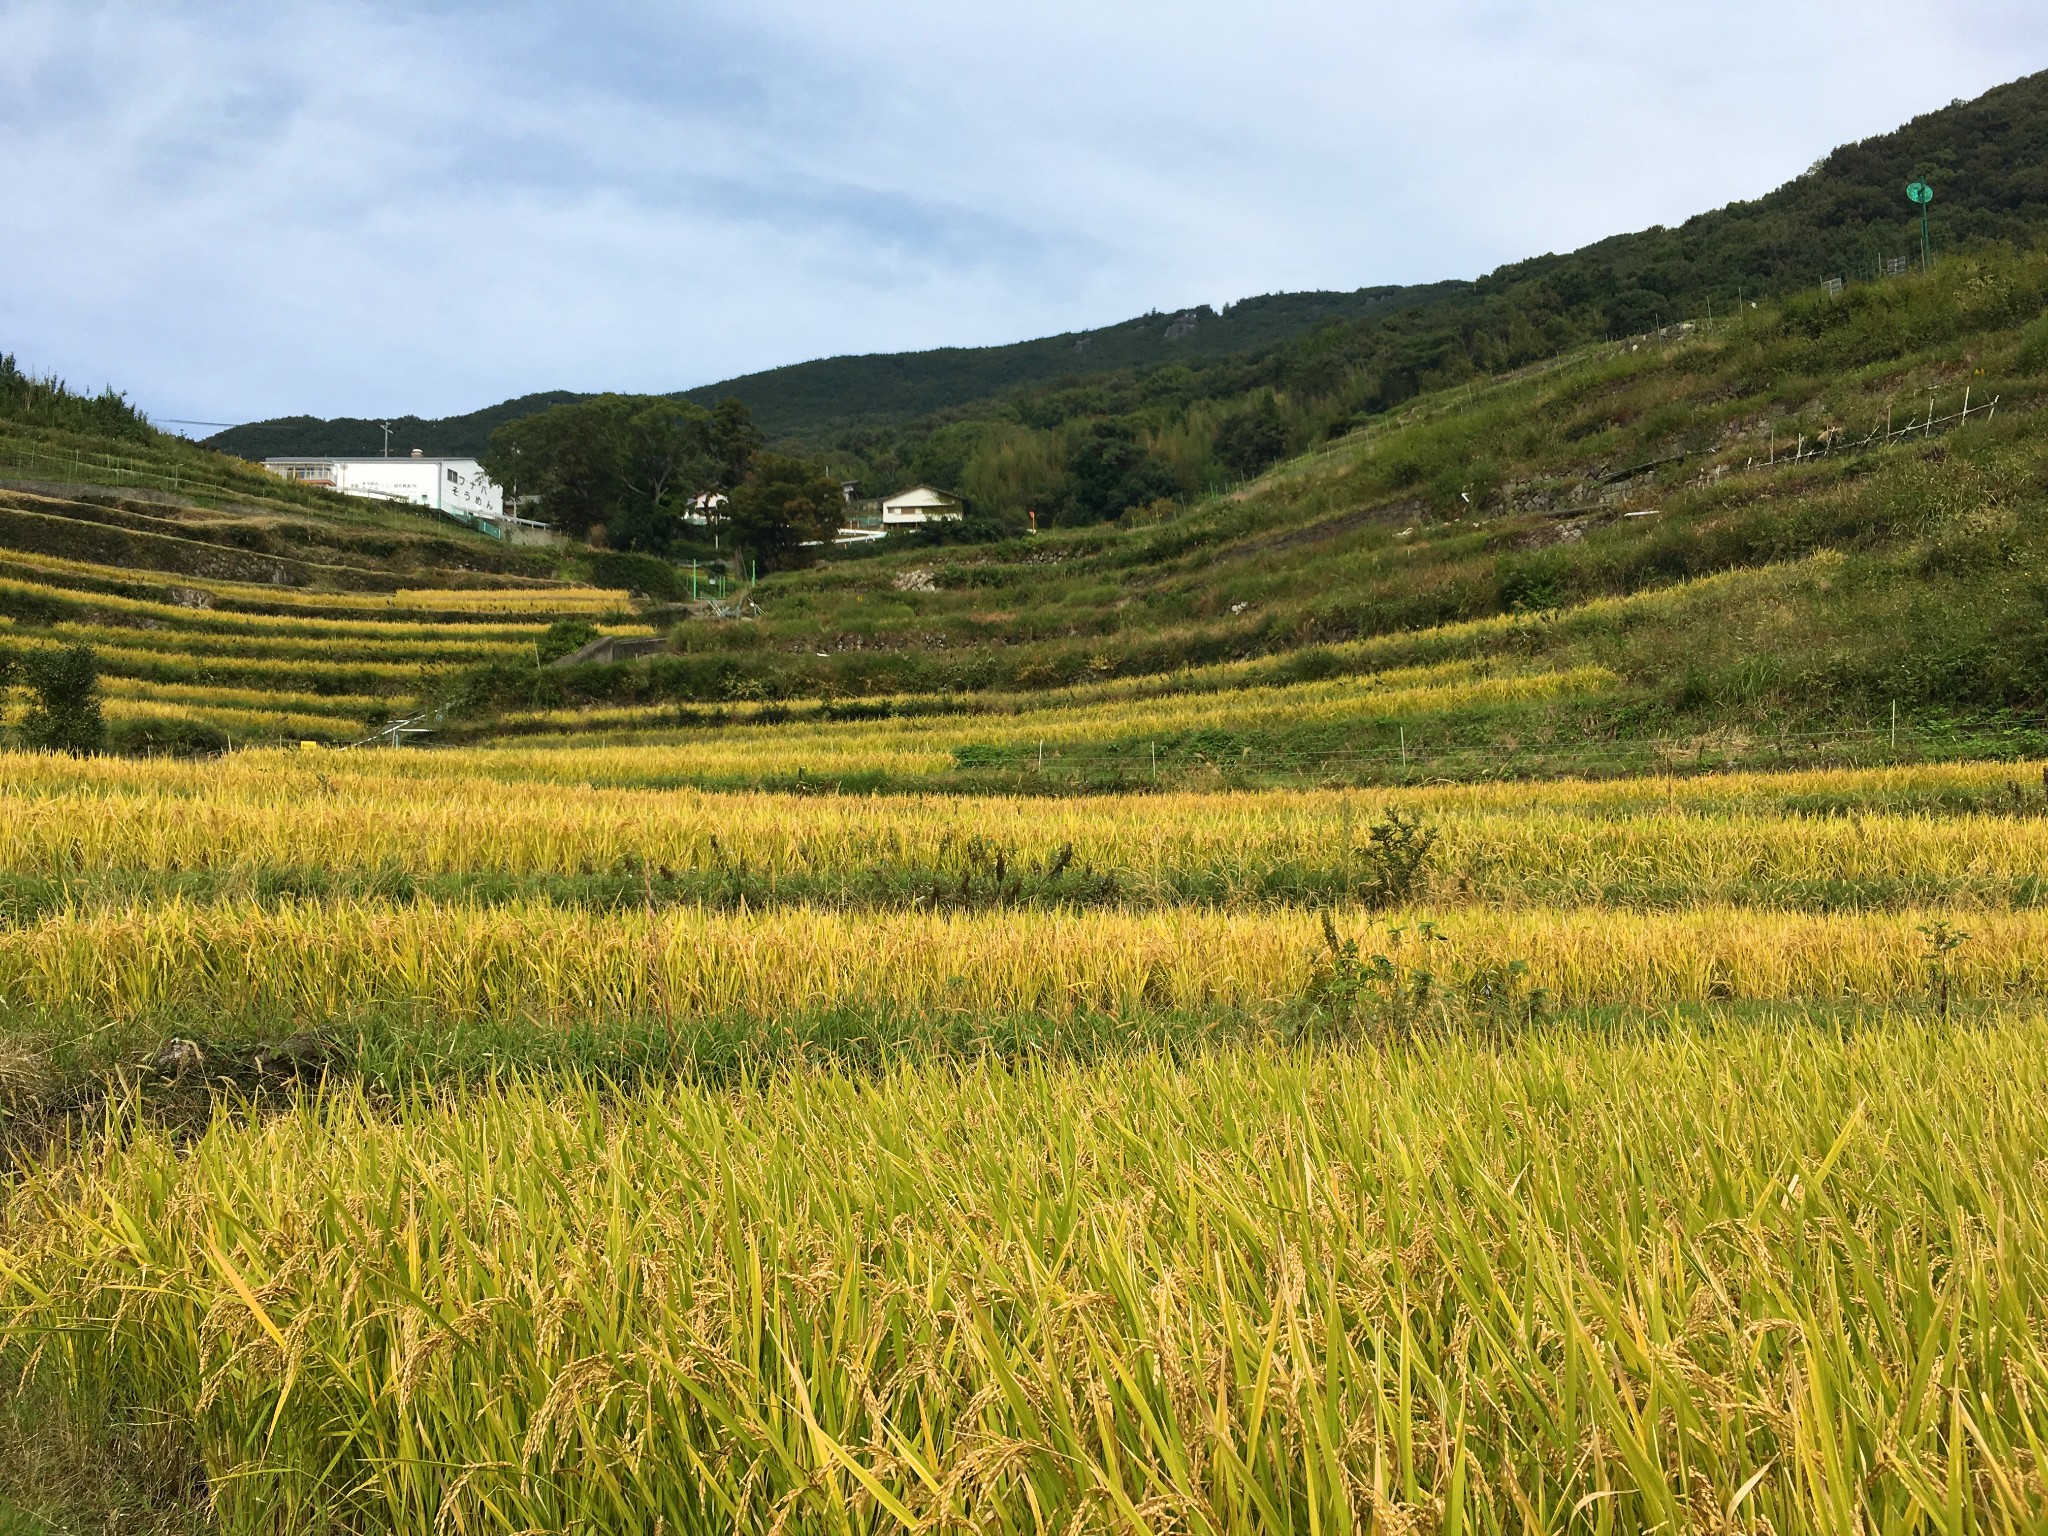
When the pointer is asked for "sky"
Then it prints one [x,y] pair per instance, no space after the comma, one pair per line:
[237,211]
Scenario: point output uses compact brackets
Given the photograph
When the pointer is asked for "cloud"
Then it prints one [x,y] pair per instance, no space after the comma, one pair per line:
[239,210]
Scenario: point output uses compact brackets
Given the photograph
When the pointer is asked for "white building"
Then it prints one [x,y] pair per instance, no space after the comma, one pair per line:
[707,508]
[458,487]
[921,504]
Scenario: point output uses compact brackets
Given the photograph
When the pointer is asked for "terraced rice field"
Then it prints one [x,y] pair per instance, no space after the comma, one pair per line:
[598,1153]
[1055,727]
[192,657]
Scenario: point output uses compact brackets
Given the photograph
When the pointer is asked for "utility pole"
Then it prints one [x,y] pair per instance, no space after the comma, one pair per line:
[387,437]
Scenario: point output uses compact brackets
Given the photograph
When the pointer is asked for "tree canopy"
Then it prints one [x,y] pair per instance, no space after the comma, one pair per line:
[628,464]
[781,504]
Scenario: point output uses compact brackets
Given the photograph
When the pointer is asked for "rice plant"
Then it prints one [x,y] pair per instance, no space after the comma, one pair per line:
[1748,1282]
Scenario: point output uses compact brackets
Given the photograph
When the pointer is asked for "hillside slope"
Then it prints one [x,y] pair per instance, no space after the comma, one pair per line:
[1183,430]
[1729,541]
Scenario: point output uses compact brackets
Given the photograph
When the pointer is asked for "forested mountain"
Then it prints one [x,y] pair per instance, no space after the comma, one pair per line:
[346,436]
[1078,433]
[809,400]
[803,401]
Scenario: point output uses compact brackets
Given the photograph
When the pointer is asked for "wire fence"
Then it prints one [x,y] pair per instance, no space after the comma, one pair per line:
[1830,441]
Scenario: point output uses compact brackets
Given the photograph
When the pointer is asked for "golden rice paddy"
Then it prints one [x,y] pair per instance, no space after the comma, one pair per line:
[1664,1154]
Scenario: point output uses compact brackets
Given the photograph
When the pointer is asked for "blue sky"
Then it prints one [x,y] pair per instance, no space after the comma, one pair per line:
[236,210]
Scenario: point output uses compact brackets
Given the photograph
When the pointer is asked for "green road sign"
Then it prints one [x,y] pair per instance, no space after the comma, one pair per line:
[1922,194]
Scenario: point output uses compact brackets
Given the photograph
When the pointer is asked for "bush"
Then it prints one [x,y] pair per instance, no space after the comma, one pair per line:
[564,638]
[170,738]
[637,573]
[1382,996]
[2033,356]
[977,527]
[1252,438]
[66,714]
[1393,862]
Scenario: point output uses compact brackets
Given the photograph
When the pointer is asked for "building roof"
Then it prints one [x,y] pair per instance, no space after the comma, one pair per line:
[922,496]
[373,458]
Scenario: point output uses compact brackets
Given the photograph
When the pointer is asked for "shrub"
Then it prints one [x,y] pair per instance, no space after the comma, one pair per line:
[2033,356]
[65,716]
[564,638]
[1382,996]
[637,573]
[169,738]
[1393,861]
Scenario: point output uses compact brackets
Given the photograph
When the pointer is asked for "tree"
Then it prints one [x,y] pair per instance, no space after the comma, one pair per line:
[1110,471]
[65,716]
[735,441]
[630,463]
[780,504]
[1252,438]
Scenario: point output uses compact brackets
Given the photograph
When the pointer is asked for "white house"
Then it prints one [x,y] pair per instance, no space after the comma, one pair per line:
[706,508]
[921,504]
[458,487]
